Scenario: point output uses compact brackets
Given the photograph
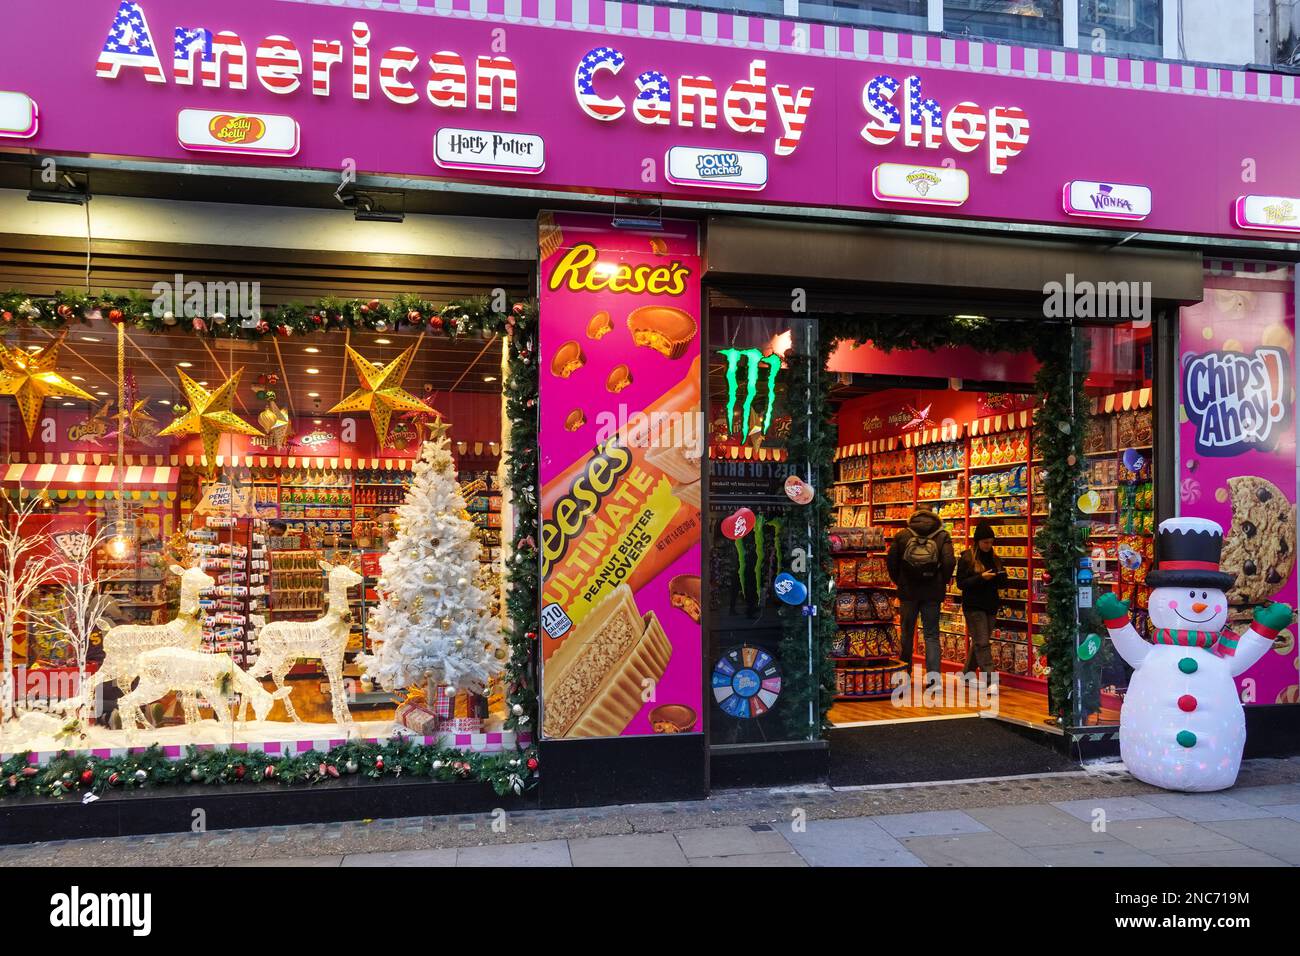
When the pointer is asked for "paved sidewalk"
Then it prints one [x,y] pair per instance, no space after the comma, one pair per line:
[1101,817]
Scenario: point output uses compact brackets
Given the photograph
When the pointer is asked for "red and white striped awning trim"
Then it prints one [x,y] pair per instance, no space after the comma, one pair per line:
[873,447]
[1276,271]
[89,476]
[948,431]
[746,453]
[1123,401]
[1002,423]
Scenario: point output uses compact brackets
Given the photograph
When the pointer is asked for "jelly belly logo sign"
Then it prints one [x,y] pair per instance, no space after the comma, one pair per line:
[1002,131]
[716,169]
[1236,401]
[1106,200]
[213,131]
[237,130]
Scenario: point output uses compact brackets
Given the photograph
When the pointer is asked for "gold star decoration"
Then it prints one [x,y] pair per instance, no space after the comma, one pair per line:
[32,377]
[137,423]
[209,414]
[381,391]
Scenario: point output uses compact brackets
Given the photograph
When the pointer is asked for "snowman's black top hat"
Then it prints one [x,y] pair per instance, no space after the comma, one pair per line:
[1187,555]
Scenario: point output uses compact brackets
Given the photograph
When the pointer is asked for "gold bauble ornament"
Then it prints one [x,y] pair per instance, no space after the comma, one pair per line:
[31,378]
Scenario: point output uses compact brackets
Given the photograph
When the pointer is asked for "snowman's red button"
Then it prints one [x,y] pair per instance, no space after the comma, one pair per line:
[1187,703]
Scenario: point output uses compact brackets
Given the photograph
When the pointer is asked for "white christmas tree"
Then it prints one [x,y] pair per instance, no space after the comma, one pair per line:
[435,622]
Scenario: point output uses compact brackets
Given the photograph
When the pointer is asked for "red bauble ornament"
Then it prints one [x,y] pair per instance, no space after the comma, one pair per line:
[317,321]
[517,308]
[363,309]
[261,380]
[65,311]
[269,772]
[435,322]
[532,763]
[115,316]
[273,379]
[12,782]
[87,775]
[6,316]
[415,318]
[263,328]
[200,325]
[114,778]
[285,331]
[379,763]
[373,305]
[239,771]
[30,771]
[333,771]
[531,635]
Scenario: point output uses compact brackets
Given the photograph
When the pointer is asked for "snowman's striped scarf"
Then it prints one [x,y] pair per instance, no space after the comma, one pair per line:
[1224,644]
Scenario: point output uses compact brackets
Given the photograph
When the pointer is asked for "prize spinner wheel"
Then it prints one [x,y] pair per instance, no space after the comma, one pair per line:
[746,682]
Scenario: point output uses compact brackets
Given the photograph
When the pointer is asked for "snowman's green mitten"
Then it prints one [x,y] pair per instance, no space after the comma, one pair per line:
[1274,616]
[1111,608]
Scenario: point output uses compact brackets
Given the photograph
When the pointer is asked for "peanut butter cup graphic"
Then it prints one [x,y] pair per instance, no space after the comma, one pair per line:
[684,592]
[575,420]
[599,326]
[664,328]
[568,359]
[619,378]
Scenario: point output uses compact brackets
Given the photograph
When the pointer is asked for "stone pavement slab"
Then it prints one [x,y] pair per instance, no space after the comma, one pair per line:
[931,823]
[1034,825]
[853,842]
[1171,835]
[549,853]
[731,841]
[1114,808]
[1203,807]
[294,861]
[1277,836]
[1101,851]
[439,858]
[1274,795]
[635,849]
[1289,811]
[1221,858]
[787,859]
[969,849]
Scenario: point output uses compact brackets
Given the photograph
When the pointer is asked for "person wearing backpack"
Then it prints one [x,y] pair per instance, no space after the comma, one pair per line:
[979,575]
[920,563]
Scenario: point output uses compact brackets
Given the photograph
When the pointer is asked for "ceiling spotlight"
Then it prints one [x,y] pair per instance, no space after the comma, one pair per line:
[101,393]
[77,378]
[383,341]
[489,378]
[311,350]
[313,371]
[315,421]
[184,364]
[313,394]
[89,338]
[164,401]
[67,404]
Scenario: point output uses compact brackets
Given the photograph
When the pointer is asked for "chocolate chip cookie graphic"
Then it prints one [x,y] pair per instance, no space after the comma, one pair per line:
[1260,547]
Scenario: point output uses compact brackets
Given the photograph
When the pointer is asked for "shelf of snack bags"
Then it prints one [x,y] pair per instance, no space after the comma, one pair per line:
[223,545]
[942,458]
[992,451]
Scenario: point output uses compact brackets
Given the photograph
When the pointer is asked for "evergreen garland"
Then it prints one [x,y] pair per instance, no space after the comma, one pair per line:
[80,773]
[1061,417]
[481,316]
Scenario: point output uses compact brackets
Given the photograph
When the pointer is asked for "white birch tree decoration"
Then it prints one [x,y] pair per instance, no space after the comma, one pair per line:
[26,561]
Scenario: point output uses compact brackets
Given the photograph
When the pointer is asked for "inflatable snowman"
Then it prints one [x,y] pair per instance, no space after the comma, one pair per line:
[1182,726]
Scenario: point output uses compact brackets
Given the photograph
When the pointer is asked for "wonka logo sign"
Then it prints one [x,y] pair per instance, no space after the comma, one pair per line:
[1236,400]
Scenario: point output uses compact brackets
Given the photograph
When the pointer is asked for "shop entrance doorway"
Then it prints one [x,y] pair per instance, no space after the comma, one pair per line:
[937,444]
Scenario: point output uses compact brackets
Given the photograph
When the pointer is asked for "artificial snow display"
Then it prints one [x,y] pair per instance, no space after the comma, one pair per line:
[435,623]
[1182,726]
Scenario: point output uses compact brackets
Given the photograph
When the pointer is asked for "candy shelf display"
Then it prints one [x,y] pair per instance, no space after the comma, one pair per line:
[965,480]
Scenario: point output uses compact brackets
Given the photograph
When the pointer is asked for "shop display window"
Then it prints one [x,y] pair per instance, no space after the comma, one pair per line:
[1021,21]
[210,516]
[1127,27]
[755,525]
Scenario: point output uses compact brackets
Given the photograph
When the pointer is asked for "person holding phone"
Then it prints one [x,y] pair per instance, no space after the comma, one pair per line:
[979,576]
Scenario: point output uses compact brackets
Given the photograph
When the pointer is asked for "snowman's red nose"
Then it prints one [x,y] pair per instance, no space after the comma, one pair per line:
[1198,608]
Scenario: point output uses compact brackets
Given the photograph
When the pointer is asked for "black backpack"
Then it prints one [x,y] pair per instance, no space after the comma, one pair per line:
[922,553]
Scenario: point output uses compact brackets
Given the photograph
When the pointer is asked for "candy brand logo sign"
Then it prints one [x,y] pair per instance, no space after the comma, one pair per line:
[581,271]
[1280,213]
[1235,400]
[1105,198]
[315,438]
[237,129]
[582,502]
[922,181]
[710,165]
[754,361]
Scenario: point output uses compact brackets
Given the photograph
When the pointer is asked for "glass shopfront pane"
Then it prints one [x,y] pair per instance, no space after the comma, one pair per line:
[1021,21]
[1118,502]
[889,14]
[265,559]
[1121,26]
[749,430]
